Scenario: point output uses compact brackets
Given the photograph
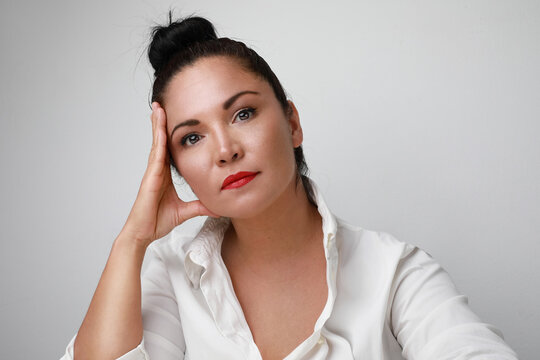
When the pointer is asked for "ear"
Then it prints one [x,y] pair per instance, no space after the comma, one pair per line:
[294,125]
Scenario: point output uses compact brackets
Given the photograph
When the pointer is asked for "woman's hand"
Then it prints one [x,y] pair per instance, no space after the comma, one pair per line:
[157,208]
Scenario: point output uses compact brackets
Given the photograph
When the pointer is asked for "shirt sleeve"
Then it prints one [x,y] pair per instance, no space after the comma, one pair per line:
[163,338]
[432,320]
[163,335]
[136,354]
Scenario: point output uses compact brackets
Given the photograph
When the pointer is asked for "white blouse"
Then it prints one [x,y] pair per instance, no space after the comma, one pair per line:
[386,300]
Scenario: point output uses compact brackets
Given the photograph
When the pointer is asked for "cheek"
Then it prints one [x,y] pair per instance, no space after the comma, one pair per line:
[191,166]
[272,136]
[276,142]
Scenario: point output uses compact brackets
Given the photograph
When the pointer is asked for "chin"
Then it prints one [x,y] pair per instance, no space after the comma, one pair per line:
[252,200]
[240,208]
[237,205]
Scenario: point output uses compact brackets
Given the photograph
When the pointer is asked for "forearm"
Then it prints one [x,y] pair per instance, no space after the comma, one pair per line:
[113,324]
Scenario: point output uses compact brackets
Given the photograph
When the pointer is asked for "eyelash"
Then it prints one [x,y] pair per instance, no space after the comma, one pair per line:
[186,138]
[249,110]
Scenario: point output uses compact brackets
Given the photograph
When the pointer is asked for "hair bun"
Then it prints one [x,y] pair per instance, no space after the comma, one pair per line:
[178,35]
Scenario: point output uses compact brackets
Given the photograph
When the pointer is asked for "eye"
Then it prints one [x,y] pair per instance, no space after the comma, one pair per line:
[190,139]
[245,114]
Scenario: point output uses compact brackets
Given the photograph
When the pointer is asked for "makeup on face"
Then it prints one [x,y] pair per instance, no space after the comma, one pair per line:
[238,180]
[232,141]
[226,105]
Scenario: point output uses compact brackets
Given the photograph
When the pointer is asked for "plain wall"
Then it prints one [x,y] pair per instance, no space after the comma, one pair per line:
[421,118]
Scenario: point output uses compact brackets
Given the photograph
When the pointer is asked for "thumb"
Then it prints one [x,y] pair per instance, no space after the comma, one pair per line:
[194,208]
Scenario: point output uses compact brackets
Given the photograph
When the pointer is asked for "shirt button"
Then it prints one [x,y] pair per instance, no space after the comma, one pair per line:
[321,340]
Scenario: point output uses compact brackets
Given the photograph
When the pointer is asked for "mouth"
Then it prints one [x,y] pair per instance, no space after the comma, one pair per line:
[238,180]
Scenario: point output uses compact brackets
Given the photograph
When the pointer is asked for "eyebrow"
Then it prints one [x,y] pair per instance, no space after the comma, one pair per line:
[226,105]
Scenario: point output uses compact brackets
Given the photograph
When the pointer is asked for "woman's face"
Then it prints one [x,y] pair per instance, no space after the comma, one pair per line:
[223,121]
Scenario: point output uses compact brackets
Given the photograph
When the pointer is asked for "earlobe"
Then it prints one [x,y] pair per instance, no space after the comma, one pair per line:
[296,128]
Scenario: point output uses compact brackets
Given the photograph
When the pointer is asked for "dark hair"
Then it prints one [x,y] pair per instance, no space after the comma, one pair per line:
[182,42]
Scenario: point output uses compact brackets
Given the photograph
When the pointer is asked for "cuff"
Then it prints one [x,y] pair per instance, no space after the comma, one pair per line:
[139,353]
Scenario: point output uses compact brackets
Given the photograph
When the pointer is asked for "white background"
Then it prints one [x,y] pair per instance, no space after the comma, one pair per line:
[421,118]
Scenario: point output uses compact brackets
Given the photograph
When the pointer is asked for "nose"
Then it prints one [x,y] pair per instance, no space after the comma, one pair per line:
[229,148]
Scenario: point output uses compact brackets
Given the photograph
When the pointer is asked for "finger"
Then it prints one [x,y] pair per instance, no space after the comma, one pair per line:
[158,152]
[161,130]
[158,114]
[194,208]
[164,137]
[153,121]
[155,106]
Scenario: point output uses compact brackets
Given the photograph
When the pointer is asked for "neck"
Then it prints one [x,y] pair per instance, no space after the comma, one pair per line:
[280,232]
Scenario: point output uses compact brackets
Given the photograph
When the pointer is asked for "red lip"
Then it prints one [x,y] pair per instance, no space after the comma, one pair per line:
[237,180]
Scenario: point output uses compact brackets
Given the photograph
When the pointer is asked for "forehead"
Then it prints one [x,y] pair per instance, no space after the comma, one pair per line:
[208,83]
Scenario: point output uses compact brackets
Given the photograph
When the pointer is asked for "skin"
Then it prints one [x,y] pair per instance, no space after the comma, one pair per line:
[231,140]
[273,249]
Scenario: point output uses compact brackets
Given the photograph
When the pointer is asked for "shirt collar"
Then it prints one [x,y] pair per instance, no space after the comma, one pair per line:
[206,246]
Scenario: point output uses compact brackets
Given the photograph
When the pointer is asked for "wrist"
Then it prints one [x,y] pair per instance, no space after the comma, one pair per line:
[129,244]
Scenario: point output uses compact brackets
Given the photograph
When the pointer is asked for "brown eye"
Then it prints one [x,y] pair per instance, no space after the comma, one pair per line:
[190,139]
[245,114]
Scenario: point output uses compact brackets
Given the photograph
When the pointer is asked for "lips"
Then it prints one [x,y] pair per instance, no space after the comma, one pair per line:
[237,180]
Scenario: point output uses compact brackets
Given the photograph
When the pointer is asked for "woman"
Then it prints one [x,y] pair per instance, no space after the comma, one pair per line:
[272,273]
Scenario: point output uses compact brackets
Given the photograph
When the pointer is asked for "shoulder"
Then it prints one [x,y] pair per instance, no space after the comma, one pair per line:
[379,263]
[170,248]
[353,238]
[377,250]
